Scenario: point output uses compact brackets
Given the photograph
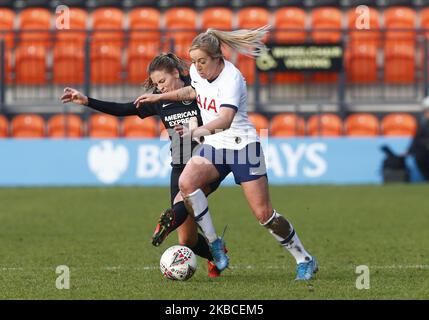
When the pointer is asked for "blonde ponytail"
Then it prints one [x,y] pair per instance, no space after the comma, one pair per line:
[244,41]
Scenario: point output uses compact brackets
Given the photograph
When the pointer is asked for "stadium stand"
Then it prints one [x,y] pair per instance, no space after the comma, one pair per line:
[28,126]
[287,125]
[135,127]
[328,125]
[361,125]
[4,127]
[181,25]
[31,65]
[35,25]
[103,126]
[62,126]
[398,124]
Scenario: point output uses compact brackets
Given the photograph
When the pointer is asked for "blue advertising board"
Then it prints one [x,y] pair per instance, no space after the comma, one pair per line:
[146,162]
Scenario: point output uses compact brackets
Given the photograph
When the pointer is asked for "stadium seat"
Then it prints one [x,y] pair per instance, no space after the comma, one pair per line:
[75,34]
[217,18]
[260,122]
[69,65]
[399,62]
[32,23]
[141,19]
[7,18]
[180,24]
[287,125]
[62,126]
[106,64]
[251,18]
[362,32]
[31,66]
[28,126]
[107,24]
[398,124]
[400,18]
[361,62]
[139,54]
[103,126]
[326,18]
[285,20]
[361,125]
[327,125]
[4,127]
[163,133]
[135,127]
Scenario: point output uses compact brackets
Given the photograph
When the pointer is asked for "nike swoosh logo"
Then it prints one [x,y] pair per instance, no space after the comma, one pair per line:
[165,105]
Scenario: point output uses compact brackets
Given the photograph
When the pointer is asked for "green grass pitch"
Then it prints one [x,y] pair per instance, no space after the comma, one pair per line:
[103,236]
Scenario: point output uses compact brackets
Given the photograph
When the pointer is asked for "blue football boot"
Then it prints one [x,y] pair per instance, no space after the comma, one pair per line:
[306,270]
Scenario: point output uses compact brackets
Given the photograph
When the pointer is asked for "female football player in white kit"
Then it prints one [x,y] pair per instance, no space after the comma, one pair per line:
[231,143]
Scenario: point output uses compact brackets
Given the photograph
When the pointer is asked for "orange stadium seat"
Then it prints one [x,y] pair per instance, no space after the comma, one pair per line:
[362,32]
[287,125]
[328,125]
[39,20]
[61,126]
[69,64]
[163,133]
[75,34]
[361,125]
[135,127]
[289,22]
[398,124]
[7,18]
[399,62]
[28,126]
[106,64]
[103,126]
[218,18]
[251,18]
[144,26]
[326,18]
[139,56]
[107,24]
[260,122]
[180,24]
[4,127]
[290,25]
[400,18]
[361,62]
[31,66]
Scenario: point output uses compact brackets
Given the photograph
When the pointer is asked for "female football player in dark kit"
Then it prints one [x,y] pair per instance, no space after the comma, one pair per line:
[166,73]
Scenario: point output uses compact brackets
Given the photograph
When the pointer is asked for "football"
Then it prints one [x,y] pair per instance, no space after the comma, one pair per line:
[178,263]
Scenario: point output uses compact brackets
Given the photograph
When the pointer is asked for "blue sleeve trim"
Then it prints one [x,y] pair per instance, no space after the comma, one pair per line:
[229,106]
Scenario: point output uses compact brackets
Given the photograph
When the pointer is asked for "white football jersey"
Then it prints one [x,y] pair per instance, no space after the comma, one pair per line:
[227,90]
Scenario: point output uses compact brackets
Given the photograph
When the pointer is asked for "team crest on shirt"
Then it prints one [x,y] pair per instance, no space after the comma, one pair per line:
[187,102]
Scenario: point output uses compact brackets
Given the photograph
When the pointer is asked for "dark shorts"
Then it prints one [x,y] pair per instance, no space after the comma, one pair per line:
[246,164]
[174,183]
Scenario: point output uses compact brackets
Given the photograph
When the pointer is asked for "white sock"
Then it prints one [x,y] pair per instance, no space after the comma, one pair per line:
[292,242]
[199,203]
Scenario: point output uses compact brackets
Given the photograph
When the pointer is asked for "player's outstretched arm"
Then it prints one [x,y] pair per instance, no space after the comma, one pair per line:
[186,93]
[112,108]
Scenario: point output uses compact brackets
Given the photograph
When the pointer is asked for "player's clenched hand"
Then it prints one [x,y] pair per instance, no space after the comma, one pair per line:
[182,131]
[72,95]
[147,98]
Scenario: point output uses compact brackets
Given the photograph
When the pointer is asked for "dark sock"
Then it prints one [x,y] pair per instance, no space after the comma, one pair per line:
[202,248]
[180,214]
